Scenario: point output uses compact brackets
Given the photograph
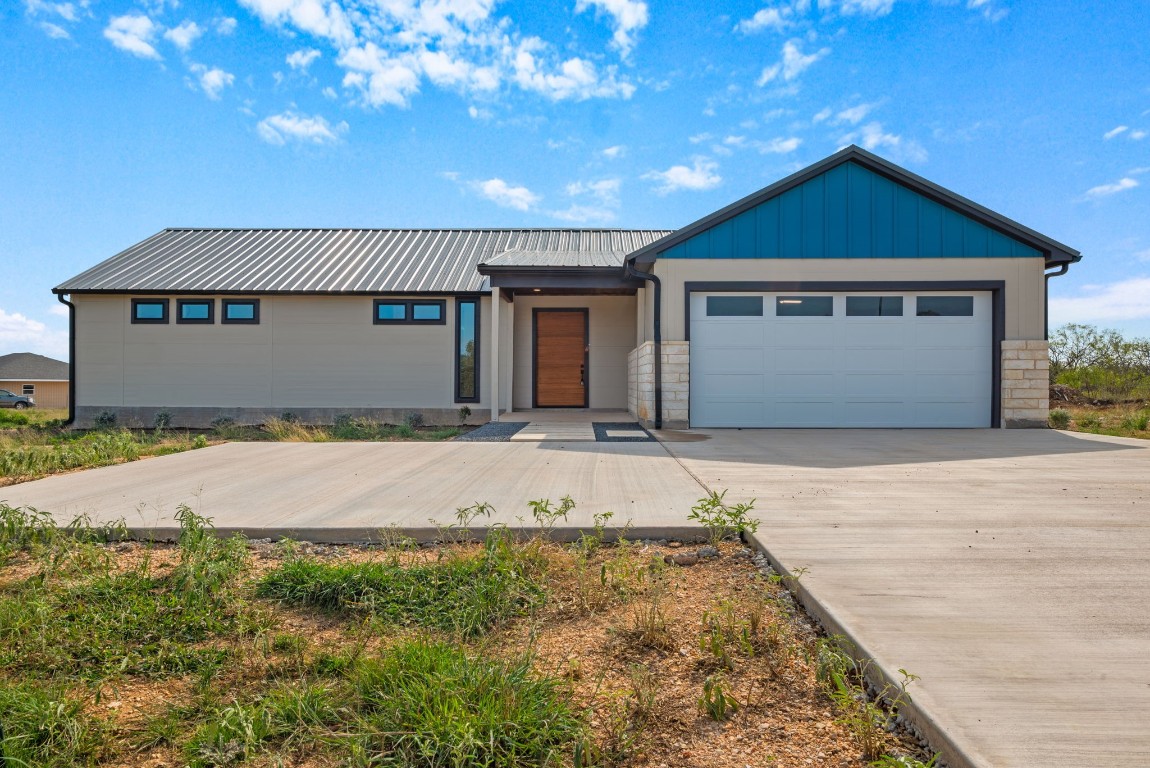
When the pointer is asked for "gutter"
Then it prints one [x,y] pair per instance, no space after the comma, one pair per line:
[71,358]
[1062,270]
[630,270]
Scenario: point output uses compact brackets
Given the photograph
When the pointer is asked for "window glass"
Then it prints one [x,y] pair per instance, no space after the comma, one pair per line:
[149,310]
[466,357]
[945,306]
[194,310]
[734,306]
[243,311]
[389,311]
[874,306]
[804,306]
[426,311]
[29,389]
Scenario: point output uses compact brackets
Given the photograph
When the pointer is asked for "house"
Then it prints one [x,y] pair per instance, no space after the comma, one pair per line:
[852,293]
[43,379]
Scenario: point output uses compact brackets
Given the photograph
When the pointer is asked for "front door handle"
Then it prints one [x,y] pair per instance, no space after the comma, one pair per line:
[582,375]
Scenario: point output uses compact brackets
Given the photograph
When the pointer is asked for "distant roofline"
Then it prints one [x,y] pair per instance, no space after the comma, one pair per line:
[413,229]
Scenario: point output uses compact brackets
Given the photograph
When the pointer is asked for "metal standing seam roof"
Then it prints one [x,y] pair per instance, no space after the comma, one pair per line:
[27,366]
[344,260]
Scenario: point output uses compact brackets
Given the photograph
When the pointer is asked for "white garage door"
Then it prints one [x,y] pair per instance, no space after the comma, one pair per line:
[841,359]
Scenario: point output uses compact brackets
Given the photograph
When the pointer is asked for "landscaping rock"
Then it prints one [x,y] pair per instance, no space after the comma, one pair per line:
[684,559]
[743,554]
[708,553]
[674,544]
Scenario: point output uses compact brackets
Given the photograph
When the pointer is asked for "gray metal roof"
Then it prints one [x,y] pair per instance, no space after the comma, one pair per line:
[26,366]
[584,258]
[339,260]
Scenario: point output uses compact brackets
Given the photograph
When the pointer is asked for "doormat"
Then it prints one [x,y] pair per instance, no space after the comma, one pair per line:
[621,432]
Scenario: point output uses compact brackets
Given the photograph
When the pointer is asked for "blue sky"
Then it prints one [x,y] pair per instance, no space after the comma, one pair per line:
[122,117]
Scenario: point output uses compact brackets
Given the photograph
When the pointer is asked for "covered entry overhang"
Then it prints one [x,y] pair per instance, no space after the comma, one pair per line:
[562,332]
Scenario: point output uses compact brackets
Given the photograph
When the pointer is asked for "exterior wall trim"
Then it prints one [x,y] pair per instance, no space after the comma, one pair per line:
[997,289]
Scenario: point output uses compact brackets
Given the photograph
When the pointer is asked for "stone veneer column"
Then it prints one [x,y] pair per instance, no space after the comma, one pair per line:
[676,383]
[1025,383]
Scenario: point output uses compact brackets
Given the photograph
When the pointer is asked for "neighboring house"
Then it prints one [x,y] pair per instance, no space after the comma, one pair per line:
[850,294]
[43,379]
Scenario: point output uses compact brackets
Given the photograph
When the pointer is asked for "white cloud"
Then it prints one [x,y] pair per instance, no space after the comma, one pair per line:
[1137,135]
[577,79]
[612,153]
[19,333]
[627,17]
[329,93]
[1143,255]
[778,18]
[856,114]
[55,31]
[302,58]
[699,138]
[501,193]
[872,137]
[66,11]
[133,33]
[212,80]
[324,20]
[702,174]
[862,7]
[1105,190]
[778,146]
[1122,300]
[823,114]
[605,190]
[289,126]
[1115,132]
[988,9]
[184,35]
[794,62]
[581,214]
[225,26]
[380,79]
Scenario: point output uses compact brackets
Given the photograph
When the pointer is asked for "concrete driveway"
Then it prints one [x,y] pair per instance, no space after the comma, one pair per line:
[1009,569]
[347,491]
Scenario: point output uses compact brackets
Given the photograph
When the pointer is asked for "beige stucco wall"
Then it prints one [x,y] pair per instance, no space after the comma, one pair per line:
[48,394]
[306,352]
[1024,292]
[612,321]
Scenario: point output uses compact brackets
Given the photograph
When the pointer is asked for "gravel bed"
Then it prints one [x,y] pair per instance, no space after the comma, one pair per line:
[492,432]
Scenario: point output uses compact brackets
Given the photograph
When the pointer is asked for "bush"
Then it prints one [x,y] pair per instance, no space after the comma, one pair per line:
[1060,418]
[13,418]
[1137,422]
[430,704]
[105,420]
[163,420]
[413,419]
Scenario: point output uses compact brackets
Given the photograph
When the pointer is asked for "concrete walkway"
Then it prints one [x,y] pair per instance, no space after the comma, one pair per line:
[561,424]
[347,491]
[1009,569]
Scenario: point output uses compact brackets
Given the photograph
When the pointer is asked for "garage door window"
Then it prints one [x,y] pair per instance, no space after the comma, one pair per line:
[804,306]
[734,306]
[945,306]
[874,306]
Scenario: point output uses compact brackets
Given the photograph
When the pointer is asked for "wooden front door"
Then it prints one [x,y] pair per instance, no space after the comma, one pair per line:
[560,358]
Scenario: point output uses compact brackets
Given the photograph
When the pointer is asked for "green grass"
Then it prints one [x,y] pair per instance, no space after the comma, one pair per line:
[1105,384]
[89,621]
[44,727]
[433,705]
[462,594]
[1121,421]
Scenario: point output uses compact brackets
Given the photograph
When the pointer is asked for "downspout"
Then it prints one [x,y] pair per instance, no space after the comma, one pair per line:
[1046,298]
[658,333]
[71,358]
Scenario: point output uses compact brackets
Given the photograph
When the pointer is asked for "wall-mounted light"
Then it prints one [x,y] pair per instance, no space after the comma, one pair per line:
[536,290]
[790,301]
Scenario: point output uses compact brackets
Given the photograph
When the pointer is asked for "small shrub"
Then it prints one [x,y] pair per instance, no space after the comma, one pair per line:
[13,418]
[290,417]
[200,441]
[1137,422]
[1089,421]
[163,420]
[403,431]
[225,427]
[1060,418]
[431,705]
[464,414]
[105,420]
[721,520]
[414,420]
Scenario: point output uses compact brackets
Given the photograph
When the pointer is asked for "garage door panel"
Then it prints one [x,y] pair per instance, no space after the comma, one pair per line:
[874,384]
[804,383]
[734,384]
[840,371]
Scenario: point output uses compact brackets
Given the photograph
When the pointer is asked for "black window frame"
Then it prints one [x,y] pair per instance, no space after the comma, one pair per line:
[181,320]
[789,300]
[968,303]
[226,303]
[459,302]
[409,311]
[163,319]
[881,299]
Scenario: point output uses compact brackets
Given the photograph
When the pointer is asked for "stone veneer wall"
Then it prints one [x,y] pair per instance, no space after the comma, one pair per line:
[1025,383]
[676,383]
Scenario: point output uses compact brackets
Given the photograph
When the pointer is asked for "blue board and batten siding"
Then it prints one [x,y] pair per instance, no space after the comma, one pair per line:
[849,212]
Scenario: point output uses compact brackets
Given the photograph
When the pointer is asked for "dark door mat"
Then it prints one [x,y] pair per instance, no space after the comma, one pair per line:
[602,427]
[492,432]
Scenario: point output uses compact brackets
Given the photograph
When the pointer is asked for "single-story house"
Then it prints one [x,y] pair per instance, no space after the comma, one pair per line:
[43,379]
[852,293]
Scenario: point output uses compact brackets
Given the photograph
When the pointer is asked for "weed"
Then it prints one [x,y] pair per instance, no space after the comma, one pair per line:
[464,517]
[1060,418]
[162,421]
[403,431]
[105,420]
[290,417]
[13,418]
[43,726]
[1089,421]
[1137,422]
[718,703]
[644,690]
[464,414]
[903,761]
[225,427]
[289,643]
[95,449]
[199,441]
[721,520]
[414,420]
[291,431]
[546,516]
[648,618]
[458,594]
[430,704]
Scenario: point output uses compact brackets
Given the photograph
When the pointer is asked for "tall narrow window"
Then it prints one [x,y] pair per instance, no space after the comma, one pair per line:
[467,350]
